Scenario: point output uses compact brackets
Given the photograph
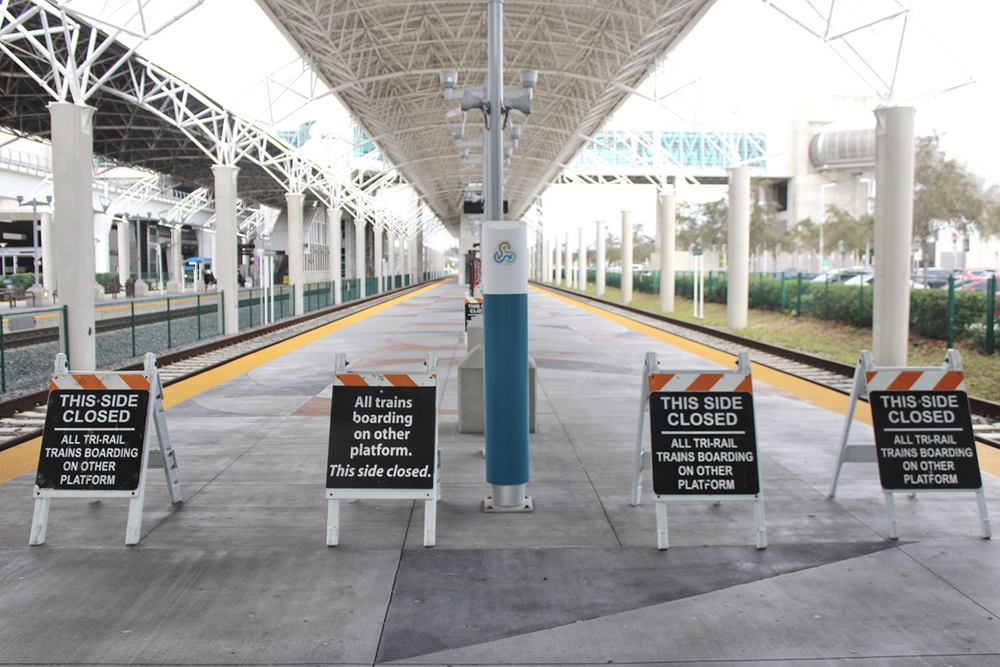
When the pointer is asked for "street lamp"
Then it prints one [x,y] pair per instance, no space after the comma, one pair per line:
[34,204]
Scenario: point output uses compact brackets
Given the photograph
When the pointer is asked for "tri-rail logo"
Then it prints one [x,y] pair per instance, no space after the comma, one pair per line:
[504,253]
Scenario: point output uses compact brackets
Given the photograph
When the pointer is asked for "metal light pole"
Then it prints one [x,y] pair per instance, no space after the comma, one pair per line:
[34,203]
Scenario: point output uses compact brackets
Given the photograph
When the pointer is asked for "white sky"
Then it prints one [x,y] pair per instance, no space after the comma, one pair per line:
[752,63]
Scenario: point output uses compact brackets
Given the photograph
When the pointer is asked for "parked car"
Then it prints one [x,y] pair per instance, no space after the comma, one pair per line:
[932,278]
[869,279]
[979,285]
[834,276]
[976,273]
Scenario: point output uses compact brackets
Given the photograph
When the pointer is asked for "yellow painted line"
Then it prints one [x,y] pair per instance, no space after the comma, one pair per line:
[24,457]
[181,391]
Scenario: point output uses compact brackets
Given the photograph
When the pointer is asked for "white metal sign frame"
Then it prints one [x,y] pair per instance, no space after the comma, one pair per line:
[644,456]
[154,422]
[867,454]
[429,496]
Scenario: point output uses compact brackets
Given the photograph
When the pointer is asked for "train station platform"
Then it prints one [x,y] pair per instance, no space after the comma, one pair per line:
[239,573]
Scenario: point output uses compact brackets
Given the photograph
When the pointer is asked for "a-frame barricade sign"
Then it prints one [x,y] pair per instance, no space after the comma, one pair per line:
[473,309]
[703,441]
[95,443]
[383,442]
[923,432]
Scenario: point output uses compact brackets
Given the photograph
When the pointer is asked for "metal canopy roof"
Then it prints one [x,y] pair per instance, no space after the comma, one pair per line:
[383,57]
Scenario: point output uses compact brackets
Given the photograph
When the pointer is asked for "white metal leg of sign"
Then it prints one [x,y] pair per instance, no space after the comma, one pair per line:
[642,456]
[890,504]
[39,521]
[853,453]
[332,522]
[430,522]
[984,517]
[662,533]
[758,513]
[162,435]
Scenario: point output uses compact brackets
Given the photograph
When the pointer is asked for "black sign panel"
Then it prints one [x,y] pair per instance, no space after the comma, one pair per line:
[382,438]
[471,311]
[703,443]
[924,440]
[93,440]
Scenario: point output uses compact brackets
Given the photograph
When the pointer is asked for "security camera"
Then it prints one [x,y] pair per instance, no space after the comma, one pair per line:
[449,79]
[529,78]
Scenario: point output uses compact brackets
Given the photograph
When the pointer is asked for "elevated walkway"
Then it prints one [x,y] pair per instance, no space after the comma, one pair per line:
[239,574]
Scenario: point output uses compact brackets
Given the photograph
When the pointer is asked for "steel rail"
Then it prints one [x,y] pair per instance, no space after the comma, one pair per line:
[979,406]
[35,399]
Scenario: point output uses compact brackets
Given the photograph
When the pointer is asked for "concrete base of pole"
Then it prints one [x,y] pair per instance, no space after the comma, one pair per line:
[141,288]
[511,498]
[173,287]
[42,296]
[471,400]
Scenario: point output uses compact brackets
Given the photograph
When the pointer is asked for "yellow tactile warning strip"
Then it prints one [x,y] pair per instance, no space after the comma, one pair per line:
[23,458]
[989,458]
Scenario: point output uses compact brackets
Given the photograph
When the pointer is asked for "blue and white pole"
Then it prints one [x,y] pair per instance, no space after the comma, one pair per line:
[505,373]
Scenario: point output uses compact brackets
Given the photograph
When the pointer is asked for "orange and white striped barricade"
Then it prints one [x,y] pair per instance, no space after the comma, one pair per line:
[383,442]
[703,440]
[95,443]
[923,432]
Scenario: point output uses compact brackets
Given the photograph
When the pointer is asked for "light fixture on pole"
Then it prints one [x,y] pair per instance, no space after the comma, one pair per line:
[34,204]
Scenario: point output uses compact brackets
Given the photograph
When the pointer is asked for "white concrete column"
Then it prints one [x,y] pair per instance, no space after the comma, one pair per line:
[411,253]
[333,239]
[296,278]
[359,255]
[72,187]
[546,259]
[102,247]
[224,260]
[377,261]
[602,261]
[581,256]
[738,248]
[666,212]
[559,258]
[49,241]
[626,256]
[569,263]
[894,164]
[124,259]
[391,238]
[176,265]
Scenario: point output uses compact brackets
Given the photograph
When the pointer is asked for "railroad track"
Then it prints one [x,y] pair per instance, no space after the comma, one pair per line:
[22,418]
[826,372]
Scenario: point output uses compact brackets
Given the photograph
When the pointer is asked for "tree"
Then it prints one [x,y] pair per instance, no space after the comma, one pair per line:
[706,226]
[947,195]
[843,230]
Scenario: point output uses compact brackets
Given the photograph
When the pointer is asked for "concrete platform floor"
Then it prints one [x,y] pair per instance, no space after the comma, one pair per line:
[239,574]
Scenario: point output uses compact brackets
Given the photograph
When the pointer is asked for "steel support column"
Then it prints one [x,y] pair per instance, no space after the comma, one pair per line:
[333,235]
[626,286]
[224,262]
[602,268]
[72,187]
[738,248]
[894,164]
[293,204]
[667,229]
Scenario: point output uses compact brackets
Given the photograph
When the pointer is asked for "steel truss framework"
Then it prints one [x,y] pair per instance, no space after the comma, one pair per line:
[382,58]
[149,119]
